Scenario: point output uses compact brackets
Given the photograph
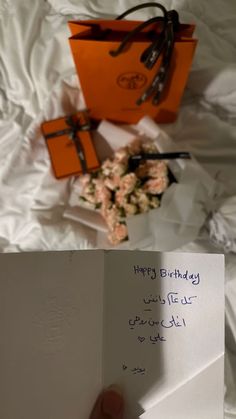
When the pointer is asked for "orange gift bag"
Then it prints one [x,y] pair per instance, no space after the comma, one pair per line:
[128,69]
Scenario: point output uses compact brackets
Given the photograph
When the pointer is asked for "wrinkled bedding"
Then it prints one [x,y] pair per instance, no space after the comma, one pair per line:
[38,81]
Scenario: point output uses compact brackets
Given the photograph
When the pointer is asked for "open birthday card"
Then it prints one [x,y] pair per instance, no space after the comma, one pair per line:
[72,323]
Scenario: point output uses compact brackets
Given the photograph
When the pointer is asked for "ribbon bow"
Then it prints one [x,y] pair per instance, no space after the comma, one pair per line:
[74,125]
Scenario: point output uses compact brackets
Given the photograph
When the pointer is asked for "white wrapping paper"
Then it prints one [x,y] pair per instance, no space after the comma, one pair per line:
[184,206]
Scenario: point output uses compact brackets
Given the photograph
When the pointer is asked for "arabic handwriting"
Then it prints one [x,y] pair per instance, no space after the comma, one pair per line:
[138,370]
[188,300]
[174,321]
[150,328]
[161,300]
[156,339]
[170,299]
[133,322]
[135,370]
[153,323]
[149,300]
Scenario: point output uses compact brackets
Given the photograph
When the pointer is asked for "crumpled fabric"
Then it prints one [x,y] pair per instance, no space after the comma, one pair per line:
[222,226]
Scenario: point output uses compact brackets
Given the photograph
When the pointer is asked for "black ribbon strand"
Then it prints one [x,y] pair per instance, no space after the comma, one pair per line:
[162,45]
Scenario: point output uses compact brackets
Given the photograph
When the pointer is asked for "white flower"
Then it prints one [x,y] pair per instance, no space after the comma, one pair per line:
[154,202]
[149,146]
[122,155]
[118,168]
[142,200]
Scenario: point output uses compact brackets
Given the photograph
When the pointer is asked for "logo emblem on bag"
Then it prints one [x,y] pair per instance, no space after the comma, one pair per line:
[131,80]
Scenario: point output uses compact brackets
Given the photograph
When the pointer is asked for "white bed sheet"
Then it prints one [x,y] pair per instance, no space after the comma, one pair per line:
[38,81]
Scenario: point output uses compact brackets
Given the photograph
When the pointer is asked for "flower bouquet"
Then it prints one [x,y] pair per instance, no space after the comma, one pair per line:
[118,190]
[156,203]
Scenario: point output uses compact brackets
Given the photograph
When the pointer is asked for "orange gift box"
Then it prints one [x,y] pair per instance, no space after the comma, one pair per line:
[70,145]
[112,84]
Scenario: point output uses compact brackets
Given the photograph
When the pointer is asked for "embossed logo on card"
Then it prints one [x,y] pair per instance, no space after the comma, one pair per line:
[53,322]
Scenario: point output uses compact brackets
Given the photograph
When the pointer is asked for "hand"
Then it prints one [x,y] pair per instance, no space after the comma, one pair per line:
[109,405]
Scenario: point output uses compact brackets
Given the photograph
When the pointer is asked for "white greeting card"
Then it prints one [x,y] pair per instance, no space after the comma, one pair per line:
[164,330]
[74,322]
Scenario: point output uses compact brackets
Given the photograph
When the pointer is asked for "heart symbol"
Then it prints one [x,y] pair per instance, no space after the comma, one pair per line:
[141,339]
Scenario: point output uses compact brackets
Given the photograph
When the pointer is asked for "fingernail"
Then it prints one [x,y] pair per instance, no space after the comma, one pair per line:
[112,402]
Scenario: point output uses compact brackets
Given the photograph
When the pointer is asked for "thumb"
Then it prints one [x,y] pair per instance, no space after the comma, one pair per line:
[109,405]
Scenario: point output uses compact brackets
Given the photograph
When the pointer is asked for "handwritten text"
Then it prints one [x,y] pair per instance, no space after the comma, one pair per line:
[135,370]
[170,299]
[152,273]
[166,324]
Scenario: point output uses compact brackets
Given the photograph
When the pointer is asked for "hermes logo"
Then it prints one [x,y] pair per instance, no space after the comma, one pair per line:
[131,80]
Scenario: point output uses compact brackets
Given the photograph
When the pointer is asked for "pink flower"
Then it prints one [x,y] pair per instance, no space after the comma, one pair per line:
[113,168]
[88,188]
[142,170]
[111,216]
[128,182]
[112,182]
[102,194]
[151,168]
[87,193]
[122,155]
[156,186]
[90,198]
[107,167]
[119,193]
[118,169]
[105,207]
[130,209]
[157,169]
[135,146]
[118,234]
[120,197]
[85,179]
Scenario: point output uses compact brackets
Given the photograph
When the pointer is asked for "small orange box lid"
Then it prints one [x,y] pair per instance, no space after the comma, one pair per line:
[70,145]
